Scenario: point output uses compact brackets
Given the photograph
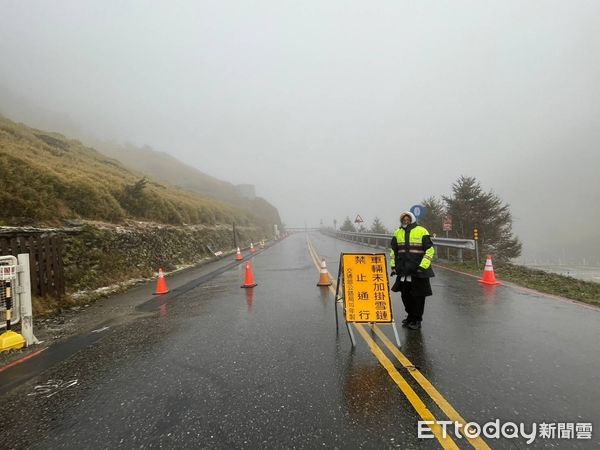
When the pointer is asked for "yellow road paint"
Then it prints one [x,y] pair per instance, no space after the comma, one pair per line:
[410,394]
[435,395]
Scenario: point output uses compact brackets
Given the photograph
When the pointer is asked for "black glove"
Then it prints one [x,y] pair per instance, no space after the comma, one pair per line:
[393,272]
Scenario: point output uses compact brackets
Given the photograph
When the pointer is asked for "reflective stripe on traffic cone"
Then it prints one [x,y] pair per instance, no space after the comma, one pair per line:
[324,279]
[161,284]
[249,278]
[488,273]
[238,255]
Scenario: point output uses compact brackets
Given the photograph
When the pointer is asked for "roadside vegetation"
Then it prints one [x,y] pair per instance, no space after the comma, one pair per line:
[348,226]
[550,283]
[469,207]
[47,178]
[163,167]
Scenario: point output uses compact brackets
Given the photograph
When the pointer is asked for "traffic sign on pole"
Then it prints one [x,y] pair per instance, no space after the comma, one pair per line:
[418,211]
[447,223]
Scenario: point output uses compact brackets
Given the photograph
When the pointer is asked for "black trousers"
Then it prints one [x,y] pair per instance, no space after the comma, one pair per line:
[413,305]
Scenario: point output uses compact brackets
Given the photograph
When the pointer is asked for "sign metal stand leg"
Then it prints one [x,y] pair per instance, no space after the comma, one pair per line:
[337,291]
[396,334]
[351,334]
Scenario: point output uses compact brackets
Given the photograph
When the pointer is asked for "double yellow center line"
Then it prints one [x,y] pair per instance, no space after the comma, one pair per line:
[445,441]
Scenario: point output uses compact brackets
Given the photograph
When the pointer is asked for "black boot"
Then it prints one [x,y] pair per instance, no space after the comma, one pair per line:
[414,325]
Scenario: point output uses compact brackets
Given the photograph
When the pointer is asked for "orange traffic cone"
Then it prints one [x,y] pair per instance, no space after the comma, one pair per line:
[161,284]
[252,249]
[249,280]
[488,273]
[238,255]
[324,279]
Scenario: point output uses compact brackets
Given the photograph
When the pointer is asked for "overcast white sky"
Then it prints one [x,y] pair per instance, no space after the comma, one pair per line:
[333,108]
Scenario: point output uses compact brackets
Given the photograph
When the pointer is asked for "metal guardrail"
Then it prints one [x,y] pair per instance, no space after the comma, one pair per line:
[383,240]
[374,239]
[464,244]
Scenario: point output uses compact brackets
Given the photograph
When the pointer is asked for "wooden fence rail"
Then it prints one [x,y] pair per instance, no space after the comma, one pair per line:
[45,257]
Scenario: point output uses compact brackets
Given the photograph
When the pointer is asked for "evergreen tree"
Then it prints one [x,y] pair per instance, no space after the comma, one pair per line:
[348,225]
[378,227]
[434,212]
[470,207]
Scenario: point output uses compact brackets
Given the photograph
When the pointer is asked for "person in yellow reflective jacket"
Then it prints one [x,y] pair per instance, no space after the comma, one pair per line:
[410,261]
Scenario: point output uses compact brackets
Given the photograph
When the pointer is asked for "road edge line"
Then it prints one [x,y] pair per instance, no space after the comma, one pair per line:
[526,290]
[22,360]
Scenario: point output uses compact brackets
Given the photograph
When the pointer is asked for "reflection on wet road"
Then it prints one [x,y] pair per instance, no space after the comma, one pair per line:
[216,366]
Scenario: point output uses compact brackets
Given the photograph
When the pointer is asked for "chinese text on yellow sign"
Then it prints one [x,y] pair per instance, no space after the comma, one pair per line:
[366,292]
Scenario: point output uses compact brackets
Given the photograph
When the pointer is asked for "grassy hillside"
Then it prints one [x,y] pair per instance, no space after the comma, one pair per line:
[46,178]
[162,166]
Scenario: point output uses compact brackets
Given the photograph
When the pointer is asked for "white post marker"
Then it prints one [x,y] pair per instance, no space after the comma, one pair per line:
[25,297]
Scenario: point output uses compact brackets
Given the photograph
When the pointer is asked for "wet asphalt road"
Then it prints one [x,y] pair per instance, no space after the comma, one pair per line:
[216,366]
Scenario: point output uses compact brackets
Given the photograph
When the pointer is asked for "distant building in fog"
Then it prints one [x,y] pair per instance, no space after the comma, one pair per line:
[246,190]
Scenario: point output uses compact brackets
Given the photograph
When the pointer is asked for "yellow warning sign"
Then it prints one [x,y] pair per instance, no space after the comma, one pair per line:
[366,288]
